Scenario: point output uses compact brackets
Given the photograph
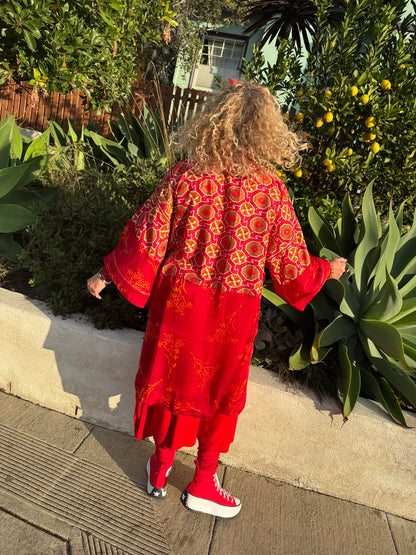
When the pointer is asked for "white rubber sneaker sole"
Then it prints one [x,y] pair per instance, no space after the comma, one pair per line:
[159,493]
[200,505]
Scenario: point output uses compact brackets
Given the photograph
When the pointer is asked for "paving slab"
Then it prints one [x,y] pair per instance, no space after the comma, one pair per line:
[41,542]
[41,527]
[404,534]
[277,518]
[48,425]
[102,503]
[185,532]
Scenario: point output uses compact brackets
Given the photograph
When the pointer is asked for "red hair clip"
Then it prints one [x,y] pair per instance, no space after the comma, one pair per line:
[232,81]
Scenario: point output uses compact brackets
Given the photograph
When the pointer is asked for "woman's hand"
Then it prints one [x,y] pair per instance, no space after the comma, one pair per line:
[95,285]
[337,267]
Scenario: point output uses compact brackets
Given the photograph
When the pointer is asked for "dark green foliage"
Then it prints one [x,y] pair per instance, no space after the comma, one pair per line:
[22,198]
[93,47]
[363,326]
[69,242]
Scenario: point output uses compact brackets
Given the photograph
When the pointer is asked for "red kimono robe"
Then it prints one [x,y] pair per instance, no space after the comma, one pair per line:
[196,250]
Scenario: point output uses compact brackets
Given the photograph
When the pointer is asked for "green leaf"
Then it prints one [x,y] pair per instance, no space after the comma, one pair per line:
[9,249]
[386,260]
[346,228]
[58,135]
[297,317]
[363,261]
[348,379]
[30,40]
[17,144]
[405,249]
[13,218]
[397,377]
[388,303]
[407,313]
[16,175]
[409,288]
[33,200]
[383,394]
[72,133]
[38,147]
[386,338]
[6,134]
[322,231]
[340,328]
[350,305]
[302,358]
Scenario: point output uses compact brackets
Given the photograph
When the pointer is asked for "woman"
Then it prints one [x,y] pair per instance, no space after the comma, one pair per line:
[196,251]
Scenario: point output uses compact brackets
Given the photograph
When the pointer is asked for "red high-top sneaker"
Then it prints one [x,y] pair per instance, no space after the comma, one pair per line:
[157,477]
[205,495]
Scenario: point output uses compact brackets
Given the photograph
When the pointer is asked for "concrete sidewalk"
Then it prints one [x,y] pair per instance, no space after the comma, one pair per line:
[67,486]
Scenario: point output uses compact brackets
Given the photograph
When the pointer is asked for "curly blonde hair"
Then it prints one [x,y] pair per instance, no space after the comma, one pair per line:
[241,128]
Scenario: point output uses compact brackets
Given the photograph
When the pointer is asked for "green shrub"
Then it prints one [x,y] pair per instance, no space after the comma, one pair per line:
[22,198]
[367,319]
[67,245]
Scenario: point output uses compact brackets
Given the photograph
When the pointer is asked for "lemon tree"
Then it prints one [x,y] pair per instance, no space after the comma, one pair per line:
[355,102]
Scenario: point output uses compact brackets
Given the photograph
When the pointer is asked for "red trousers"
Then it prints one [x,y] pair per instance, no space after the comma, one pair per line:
[173,432]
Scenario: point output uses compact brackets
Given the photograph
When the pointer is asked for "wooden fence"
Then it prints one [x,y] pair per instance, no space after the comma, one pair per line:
[34,112]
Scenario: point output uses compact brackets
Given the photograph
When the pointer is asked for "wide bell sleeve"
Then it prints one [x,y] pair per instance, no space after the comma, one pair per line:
[297,276]
[134,263]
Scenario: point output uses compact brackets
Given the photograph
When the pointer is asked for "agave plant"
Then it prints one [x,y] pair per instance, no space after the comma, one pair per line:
[20,162]
[368,317]
[136,136]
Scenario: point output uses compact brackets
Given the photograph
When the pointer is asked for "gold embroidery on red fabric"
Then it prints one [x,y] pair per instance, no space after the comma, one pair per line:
[225,332]
[203,370]
[178,300]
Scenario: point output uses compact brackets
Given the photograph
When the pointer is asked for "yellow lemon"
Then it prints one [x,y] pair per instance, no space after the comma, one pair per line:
[319,122]
[370,122]
[375,147]
[297,173]
[285,116]
[328,117]
[367,137]
[385,85]
[327,162]
[354,90]
[331,131]
[350,152]
[331,168]
[299,93]
[299,117]
[364,98]
[402,66]
[328,94]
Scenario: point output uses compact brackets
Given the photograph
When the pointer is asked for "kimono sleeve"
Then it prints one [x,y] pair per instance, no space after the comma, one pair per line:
[297,276]
[134,263]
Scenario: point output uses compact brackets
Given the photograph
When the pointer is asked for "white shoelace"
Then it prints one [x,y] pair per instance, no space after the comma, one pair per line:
[221,490]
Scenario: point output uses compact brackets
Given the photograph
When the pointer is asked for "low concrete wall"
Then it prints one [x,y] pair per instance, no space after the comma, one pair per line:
[286,433]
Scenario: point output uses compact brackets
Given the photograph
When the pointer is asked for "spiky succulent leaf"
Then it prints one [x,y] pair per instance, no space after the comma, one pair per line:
[387,304]
[346,228]
[348,380]
[384,394]
[322,231]
[388,247]
[386,338]
[367,248]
